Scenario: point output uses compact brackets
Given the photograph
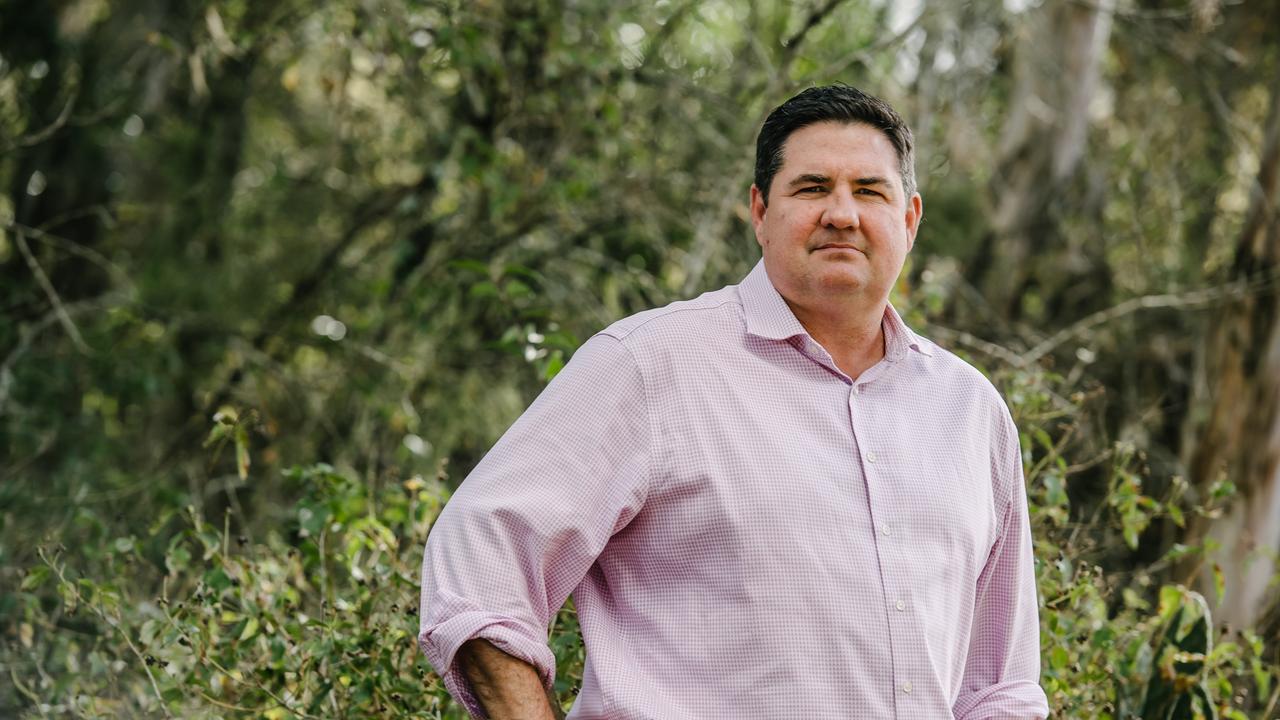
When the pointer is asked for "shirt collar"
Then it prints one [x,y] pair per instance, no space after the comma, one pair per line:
[898,338]
[768,316]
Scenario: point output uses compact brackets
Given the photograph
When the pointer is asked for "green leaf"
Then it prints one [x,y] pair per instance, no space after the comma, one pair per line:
[35,577]
[147,633]
[1131,535]
[242,452]
[1177,552]
[1058,657]
[218,434]
[1261,677]
[484,289]
[250,629]
[1222,489]
[1170,601]
[555,363]
[70,598]
[173,694]
[217,579]
[1133,600]
[517,289]
[177,559]
[1055,490]
[470,265]
[522,271]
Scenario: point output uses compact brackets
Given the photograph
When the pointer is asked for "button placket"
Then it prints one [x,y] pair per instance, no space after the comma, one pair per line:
[880,500]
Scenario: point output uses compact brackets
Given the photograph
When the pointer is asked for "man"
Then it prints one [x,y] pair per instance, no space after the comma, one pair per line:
[772,501]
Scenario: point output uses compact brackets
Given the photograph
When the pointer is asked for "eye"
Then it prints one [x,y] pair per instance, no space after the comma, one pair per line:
[868,191]
[811,189]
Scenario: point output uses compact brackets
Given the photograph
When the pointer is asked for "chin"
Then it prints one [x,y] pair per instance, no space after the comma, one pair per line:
[840,278]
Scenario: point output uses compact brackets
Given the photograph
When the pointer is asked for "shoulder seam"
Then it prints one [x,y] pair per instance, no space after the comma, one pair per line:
[620,336]
[648,413]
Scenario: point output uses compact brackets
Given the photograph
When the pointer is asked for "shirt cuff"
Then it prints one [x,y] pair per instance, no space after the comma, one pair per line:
[1020,700]
[440,642]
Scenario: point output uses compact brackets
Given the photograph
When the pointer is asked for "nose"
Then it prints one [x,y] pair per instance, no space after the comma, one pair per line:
[841,212]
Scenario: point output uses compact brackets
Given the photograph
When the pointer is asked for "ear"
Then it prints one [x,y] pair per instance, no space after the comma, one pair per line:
[915,213]
[757,212]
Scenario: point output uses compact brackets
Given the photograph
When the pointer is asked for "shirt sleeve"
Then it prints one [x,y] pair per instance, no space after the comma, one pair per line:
[1002,670]
[525,526]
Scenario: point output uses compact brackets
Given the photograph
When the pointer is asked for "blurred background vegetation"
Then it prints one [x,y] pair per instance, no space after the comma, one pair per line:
[273,276]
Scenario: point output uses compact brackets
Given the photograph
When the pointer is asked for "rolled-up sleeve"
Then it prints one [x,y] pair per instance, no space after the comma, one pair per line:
[1002,670]
[526,525]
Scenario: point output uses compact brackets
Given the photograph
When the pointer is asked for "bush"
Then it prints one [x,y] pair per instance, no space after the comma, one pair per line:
[190,619]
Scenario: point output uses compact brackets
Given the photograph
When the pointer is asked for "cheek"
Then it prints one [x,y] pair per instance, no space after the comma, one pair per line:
[793,223]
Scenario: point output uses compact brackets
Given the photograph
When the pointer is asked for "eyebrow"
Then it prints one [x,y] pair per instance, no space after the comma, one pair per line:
[815,179]
[810,179]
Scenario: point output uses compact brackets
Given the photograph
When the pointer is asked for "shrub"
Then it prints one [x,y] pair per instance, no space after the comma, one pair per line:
[191,619]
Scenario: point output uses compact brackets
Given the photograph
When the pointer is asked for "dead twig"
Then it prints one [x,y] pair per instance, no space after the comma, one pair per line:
[40,136]
[792,44]
[28,335]
[114,623]
[1195,298]
[116,272]
[864,54]
[974,342]
[63,317]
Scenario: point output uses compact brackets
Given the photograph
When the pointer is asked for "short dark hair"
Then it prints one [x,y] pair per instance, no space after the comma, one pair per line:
[831,103]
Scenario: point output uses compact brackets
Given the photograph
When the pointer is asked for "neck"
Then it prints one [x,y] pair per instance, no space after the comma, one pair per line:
[854,337]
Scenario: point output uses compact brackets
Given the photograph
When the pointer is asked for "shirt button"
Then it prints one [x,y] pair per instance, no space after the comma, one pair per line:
[884,530]
[901,606]
[906,687]
[871,456]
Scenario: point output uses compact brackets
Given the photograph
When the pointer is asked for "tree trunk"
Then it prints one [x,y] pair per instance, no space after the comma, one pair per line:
[1056,73]
[1237,435]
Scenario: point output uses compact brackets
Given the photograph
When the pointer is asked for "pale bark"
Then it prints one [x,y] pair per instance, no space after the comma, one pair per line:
[1057,71]
[1236,433]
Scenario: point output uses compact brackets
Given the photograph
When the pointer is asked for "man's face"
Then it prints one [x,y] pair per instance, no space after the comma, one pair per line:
[838,225]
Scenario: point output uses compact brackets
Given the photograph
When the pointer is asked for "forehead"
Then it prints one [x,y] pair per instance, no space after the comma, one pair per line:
[835,149]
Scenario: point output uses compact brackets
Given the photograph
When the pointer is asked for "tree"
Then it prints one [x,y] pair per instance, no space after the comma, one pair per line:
[1237,438]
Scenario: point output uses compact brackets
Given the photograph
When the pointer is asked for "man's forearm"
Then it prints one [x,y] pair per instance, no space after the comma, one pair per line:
[508,688]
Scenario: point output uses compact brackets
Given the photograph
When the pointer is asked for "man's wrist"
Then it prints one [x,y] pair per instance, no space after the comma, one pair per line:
[507,687]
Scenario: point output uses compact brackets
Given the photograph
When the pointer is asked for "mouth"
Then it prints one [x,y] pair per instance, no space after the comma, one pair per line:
[837,246]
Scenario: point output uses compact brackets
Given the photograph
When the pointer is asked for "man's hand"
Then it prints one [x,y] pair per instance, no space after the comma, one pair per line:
[509,689]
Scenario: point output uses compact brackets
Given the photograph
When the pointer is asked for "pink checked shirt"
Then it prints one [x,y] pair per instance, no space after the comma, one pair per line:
[747,533]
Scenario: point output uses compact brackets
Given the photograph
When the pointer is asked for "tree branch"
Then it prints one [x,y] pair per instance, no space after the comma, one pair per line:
[970,340]
[1195,298]
[115,271]
[36,138]
[370,211]
[792,44]
[29,334]
[865,54]
[49,291]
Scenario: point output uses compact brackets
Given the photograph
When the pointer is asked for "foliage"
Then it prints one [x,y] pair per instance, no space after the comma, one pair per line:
[1107,636]
[273,276]
[316,620]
